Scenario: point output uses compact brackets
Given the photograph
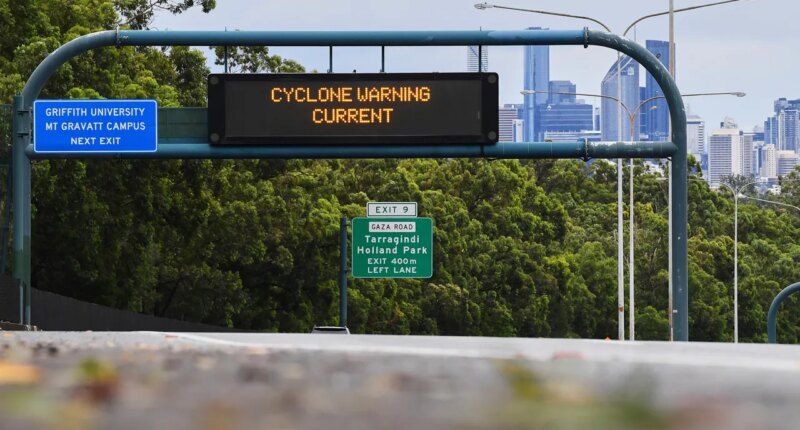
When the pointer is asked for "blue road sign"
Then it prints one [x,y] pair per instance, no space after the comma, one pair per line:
[95,126]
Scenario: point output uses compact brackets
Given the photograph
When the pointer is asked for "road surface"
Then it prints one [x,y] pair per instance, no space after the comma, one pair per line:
[139,380]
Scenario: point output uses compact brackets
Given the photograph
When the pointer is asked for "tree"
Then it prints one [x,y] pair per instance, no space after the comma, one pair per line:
[254,59]
[139,14]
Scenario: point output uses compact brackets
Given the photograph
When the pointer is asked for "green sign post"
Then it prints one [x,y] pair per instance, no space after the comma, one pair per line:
[392,247]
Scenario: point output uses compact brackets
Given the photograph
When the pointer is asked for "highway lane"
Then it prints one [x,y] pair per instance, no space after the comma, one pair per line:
[249,380]
[742,356]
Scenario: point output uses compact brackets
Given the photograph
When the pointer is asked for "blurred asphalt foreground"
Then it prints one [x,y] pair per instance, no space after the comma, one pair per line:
[146,380]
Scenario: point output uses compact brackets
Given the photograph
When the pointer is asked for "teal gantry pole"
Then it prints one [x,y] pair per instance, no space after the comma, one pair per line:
[772,316]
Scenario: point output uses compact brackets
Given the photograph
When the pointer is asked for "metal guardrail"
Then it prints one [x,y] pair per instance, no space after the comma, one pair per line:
[772,316]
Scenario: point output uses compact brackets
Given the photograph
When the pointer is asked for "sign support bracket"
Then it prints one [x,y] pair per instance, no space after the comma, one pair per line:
[343,272]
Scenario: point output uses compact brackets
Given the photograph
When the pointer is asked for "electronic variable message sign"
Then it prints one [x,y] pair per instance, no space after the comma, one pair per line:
[369,108]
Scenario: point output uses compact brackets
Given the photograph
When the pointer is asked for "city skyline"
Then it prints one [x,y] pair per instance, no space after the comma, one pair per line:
[719,48]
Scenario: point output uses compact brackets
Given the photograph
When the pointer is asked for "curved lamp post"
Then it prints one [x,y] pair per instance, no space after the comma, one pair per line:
[735,279]
[620,233]
[736,196]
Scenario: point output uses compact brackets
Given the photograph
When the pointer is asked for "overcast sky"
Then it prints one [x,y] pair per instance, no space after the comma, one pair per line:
[750,45]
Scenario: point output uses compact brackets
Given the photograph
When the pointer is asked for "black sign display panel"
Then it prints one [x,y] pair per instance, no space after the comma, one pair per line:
[368,108]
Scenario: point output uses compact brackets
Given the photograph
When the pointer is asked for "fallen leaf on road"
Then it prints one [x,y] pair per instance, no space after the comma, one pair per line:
[567,355]
[11,373]
[100,381]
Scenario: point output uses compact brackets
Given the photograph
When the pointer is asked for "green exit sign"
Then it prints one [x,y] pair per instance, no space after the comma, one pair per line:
[392,247]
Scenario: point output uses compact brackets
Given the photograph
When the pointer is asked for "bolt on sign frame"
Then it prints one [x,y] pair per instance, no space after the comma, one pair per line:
[178,147]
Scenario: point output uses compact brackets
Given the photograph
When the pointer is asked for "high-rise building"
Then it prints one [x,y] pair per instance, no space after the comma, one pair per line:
[758,144]
[474,53]
[758,159]
[507,114]
[561,92]
[724,155]
[758,133]
[641,118]
[696,135]
[519,131]
[769,163]
[572,136]
[565,117]
[771,131]
[783,128]
[729,123]
[656,119]
[788,129]
[629,76]
[746,155]
[536,77]
[787,160]
[597,123]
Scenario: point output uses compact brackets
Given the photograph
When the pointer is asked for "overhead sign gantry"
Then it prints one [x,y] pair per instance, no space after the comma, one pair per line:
[183,146]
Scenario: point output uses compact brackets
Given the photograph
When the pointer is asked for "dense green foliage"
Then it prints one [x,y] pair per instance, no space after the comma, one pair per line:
[521,248]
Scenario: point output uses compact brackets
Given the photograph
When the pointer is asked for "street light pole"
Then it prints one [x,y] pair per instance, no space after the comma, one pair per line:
[736,196]
[736,267]
[735,191]
[620,232]
[669,169]
[671,12]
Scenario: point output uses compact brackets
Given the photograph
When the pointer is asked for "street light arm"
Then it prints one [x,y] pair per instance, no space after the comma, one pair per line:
[684,9]
[621,103]
[632,115]
[483,6]
[645,101]
[736,191]
[724,93]
[770,201]
[731,93]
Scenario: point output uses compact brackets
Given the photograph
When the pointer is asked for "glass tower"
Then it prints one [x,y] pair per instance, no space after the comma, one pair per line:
[473,52]
[562,87]
[629,76]
[656,119]
[537,77]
